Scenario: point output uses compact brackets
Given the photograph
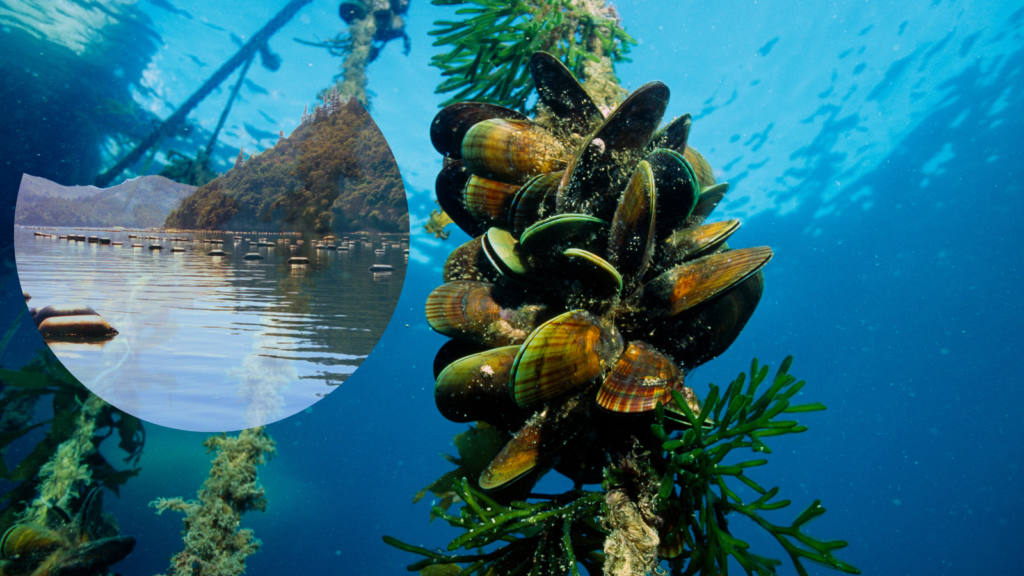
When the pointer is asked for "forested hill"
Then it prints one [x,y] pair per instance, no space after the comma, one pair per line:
[141,202]
[334,173]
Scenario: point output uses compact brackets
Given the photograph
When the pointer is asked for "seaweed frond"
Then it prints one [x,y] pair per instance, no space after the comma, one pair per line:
[492,43]
[547,536]
[67,460]
[696,513]
[436,224]
[670,505]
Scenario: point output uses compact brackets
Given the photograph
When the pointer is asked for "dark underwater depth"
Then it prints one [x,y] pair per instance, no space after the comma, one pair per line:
[875,146]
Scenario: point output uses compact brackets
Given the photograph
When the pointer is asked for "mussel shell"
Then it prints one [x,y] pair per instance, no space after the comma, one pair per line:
[453,121]
[563,354]
[511,151]
[640,379]
[605,163]
[469,311]
[704,333]
[705,174]
[607,434]
[706,203]
[673,136]
[677,187]
[534,201]
[692,283]
[631,242]
[673,543]
[562,231]
[595,274]
[94,557]
[352,10]
[488,200]
[557,88]
[542,437]
[449,186]
[468,262]
[23,540]
[689,244]
[505,254]
[693,243]
[476,388]
[453,350]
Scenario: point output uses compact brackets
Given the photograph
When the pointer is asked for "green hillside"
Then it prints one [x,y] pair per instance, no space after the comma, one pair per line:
[334,173]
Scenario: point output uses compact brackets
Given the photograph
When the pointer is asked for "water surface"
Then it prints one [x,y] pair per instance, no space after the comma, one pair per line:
[209,342]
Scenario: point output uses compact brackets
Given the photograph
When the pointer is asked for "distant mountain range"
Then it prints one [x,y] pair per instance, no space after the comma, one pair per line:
[334,173]
[142,202]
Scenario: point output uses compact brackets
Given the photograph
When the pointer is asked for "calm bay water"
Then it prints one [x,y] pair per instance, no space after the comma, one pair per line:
[212,343]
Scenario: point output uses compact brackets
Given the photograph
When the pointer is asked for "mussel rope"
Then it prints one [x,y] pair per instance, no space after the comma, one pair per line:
[167,126]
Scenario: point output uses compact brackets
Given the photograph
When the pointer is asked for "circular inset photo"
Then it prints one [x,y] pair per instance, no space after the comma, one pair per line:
[232,304]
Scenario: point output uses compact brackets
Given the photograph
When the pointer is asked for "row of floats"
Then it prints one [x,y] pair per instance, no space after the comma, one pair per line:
[327,243]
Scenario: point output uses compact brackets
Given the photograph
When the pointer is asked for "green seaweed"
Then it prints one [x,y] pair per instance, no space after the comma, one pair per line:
[492,42]
[80,422]
[686,485]
[215,545]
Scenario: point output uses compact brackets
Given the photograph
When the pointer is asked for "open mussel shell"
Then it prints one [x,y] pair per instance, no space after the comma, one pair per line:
[691,243]
[705,174]
[27,540]
[489,200]
[563,354]
[693,283]
[631,242]
[673,136]
[543,436]
[603,165]
[640,379]
[535,201]
[469,311]
[704,333]
[511,151]
[476,388]
[449,186]
[562,231]
[595,274]
[677,187]
[706,204]
[94,557]
[557,88]
[468,262]
[453,121]
[505,254]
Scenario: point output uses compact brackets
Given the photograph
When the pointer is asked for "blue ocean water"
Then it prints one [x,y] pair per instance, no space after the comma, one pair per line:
[874,145]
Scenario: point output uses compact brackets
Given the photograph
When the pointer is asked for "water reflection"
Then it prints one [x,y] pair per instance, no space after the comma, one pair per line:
[216,342]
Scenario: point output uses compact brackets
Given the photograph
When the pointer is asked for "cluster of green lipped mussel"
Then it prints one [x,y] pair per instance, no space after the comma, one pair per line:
[593,284]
